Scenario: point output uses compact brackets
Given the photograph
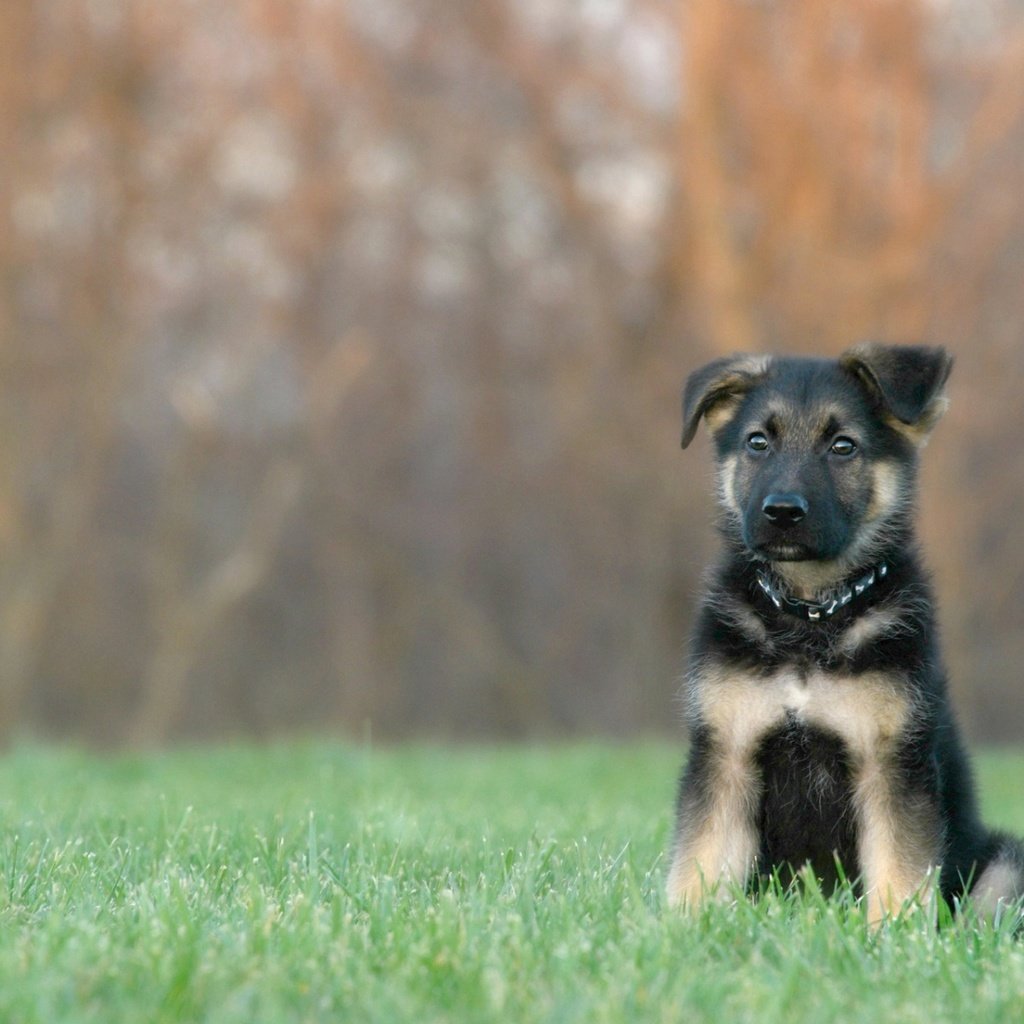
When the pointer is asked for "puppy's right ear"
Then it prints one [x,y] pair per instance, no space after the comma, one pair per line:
[713,391]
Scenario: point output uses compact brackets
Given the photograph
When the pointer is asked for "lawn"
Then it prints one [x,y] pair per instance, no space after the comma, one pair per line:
[318,882]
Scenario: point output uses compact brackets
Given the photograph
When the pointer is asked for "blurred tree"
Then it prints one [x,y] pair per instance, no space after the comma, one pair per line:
[342,342]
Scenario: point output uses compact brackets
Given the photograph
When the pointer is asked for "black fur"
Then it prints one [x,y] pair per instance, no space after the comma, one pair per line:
[818,783]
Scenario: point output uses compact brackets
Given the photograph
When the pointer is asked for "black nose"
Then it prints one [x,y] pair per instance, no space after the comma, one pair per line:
[785,510]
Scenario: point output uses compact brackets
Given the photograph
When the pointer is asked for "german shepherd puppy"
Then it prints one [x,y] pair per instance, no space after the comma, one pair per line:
[822,736]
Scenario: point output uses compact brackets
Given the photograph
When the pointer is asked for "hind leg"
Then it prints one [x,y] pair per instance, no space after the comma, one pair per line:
[1000,884]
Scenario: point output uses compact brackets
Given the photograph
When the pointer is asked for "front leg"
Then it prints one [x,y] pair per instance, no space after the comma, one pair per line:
[900,837]
[716,840]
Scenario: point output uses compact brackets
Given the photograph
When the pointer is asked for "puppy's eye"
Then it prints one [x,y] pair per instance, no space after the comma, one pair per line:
[757,442]
[843,446]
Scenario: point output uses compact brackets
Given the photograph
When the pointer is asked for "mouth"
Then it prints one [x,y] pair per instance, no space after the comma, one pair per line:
[801,543]
[780,552]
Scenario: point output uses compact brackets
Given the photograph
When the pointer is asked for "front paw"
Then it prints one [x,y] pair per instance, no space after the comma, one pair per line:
[893,899]
[689,888]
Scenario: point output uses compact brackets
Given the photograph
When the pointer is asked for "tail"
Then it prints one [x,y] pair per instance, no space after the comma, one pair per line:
[998,887]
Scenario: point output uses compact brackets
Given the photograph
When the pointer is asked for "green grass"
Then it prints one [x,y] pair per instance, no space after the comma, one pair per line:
[329,883]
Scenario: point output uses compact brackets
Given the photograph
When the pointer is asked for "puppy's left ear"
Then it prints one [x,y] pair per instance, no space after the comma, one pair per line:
[908,381]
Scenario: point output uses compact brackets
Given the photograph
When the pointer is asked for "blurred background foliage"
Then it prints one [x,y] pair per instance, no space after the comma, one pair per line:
[341,341]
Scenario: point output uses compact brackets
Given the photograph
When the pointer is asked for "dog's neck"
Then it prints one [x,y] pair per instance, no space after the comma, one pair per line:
[814,581]
[824,607]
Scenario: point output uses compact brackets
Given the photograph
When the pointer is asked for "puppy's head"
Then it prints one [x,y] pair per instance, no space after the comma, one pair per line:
[816,457]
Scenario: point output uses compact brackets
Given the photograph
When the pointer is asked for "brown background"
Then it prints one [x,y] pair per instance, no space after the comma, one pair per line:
[341,341]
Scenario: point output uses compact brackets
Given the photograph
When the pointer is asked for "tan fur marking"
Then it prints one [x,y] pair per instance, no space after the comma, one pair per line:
[721,413]
[727,485]
[869,627]
[741,370]
[740,707]
[997,886]
[885,492]
[810,580]
[895,844]
[897,853]
[722,847]
[869,712]
[919,432]
[744,619]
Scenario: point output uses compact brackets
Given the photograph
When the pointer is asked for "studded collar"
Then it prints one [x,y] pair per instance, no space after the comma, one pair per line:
[815,611]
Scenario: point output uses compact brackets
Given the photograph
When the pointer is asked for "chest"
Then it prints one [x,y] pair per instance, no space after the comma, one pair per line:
[867,711]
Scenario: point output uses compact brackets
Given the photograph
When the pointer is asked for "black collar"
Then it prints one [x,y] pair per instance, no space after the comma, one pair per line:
[815,611]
